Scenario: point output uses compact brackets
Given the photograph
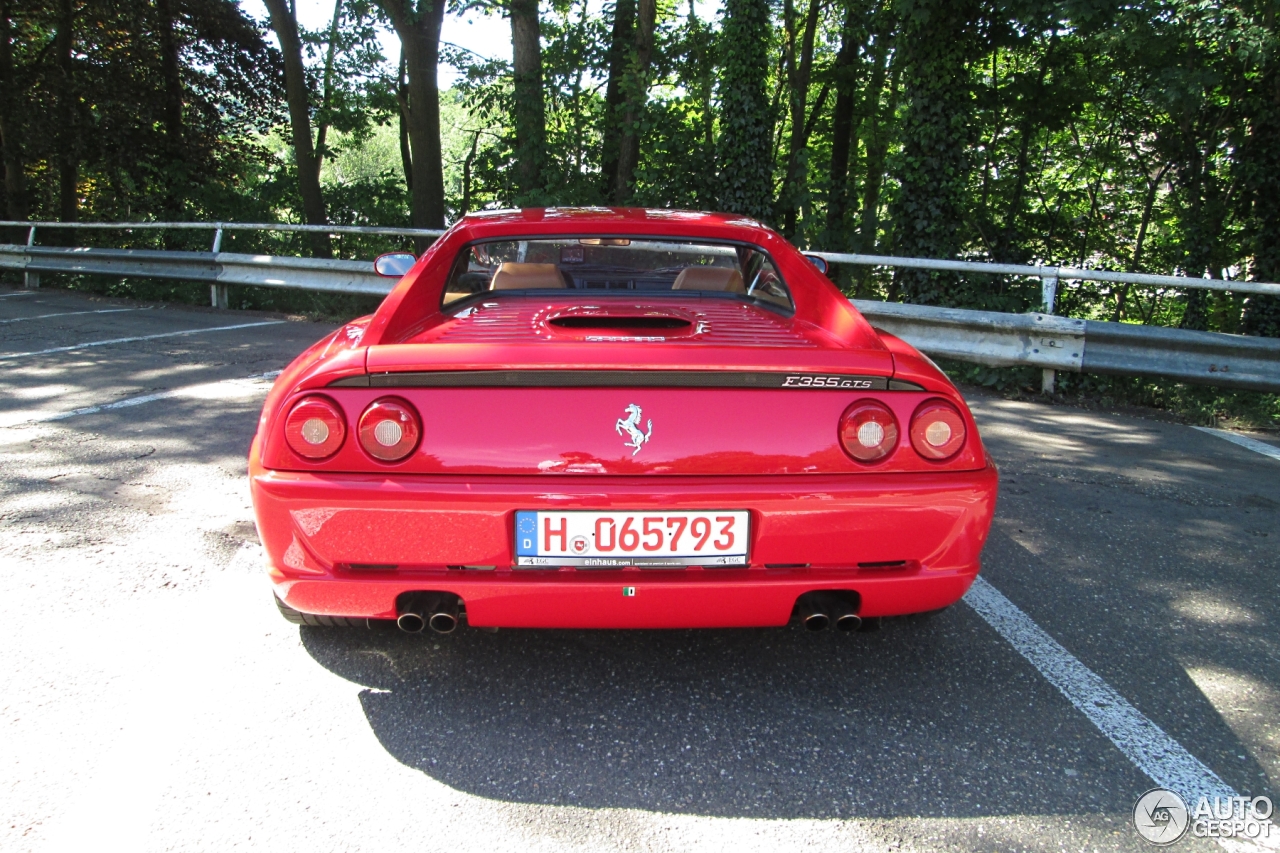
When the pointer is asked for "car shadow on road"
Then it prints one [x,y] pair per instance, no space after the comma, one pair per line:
[925,717]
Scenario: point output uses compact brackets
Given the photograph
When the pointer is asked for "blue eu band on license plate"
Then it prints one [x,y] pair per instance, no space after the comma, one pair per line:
[621,538]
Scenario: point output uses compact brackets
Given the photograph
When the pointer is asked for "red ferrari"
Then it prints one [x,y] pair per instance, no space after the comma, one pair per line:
[616,418]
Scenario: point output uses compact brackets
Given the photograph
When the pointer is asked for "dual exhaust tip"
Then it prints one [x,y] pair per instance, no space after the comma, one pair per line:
[439,612]
[820,610]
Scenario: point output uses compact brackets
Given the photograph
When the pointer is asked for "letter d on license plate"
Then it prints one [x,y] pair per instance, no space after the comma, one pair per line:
[712,537]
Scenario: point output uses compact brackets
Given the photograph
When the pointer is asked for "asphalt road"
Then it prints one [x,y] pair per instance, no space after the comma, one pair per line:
[151,697]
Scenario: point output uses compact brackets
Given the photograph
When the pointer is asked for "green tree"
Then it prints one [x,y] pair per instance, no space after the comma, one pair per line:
[285,23]
[417,23]
[528,103]
[938,42]
[745,147]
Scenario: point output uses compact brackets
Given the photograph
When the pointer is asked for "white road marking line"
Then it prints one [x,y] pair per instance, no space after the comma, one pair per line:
[1243,441]
[17,293]
[1143,742]
[88,344]
[205,390]
[71,314]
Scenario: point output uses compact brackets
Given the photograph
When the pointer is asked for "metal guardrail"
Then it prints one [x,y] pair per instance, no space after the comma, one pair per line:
[1053,275]
[983,337]
[1082,346]
[219,269]
[1199,363]
[218,227]
[326,275]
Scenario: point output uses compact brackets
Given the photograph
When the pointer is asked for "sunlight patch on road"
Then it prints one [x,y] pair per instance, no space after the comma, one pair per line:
[227,389]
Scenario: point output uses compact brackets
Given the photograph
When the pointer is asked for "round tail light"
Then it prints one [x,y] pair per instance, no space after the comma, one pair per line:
[315,428]
[389,430]
[868,431]
[937,430]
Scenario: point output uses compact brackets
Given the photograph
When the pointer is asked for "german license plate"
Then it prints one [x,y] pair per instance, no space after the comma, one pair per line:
[646,539]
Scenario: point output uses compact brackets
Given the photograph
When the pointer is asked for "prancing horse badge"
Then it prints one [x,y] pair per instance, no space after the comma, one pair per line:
[631,426]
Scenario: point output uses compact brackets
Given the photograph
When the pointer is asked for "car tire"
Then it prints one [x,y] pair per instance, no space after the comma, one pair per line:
[297,617]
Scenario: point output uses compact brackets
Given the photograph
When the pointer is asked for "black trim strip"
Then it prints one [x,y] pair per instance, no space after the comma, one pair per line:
[620,379]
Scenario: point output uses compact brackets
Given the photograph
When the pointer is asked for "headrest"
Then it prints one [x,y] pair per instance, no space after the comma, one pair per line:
[725,279]
[512,276]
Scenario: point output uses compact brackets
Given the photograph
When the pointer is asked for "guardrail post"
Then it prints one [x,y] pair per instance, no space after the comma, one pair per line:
[1048,294]
[218,296]
[31,280]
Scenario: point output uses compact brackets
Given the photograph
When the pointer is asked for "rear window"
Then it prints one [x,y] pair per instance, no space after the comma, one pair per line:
[595,266]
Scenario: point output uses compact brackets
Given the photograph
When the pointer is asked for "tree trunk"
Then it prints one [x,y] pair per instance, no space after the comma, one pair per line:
[799,70]
[1262,151]
[1201,221]
[624,21]
[706,92]
[68,156]
[466,173]
[1008,248]
[322,120]
[419,31]
[530,116]
[934,46]
[1135,262]
[636,93]
[171,115]
[298,97]
[744,154]
[877,137]
[169,68]
[402,96]
[15,185]
[842,134]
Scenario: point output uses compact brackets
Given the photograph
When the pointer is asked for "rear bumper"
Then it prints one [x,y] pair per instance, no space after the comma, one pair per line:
[348,545]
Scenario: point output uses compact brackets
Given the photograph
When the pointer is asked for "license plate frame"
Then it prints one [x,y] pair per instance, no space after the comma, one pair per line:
[723,546]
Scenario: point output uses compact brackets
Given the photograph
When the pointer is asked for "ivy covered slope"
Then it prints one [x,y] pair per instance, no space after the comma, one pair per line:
[1142,136]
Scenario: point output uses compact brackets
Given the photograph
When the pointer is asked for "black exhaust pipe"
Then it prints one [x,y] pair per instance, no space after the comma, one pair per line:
[445,619]
[411,622]
[848,622]
[820,609]
[415,611]
[842,613]
[817,621]
[812,609]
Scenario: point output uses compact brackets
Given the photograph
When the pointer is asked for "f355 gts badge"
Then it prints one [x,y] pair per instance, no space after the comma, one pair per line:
[631,427]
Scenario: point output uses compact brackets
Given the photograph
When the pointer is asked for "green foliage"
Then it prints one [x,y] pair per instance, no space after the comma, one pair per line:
[1142,136]
[746,118]
[937,130]
[105,110]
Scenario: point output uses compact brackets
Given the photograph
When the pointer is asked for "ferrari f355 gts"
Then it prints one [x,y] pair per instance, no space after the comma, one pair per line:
[616,418]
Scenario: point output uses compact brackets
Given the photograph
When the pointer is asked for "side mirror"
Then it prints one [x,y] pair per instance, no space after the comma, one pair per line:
[394,264]
[820,263]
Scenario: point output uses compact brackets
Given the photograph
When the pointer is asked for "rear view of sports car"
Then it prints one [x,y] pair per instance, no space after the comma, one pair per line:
[616,418]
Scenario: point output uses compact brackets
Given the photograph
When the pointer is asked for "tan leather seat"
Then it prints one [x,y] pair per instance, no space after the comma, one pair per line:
[512,276]
[724,279]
